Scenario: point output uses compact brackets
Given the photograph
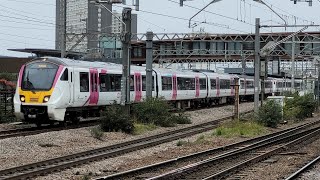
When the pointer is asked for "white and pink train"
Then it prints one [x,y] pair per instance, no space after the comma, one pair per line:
[55,89]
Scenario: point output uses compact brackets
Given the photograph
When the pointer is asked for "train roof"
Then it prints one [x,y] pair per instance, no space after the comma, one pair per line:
[98,64]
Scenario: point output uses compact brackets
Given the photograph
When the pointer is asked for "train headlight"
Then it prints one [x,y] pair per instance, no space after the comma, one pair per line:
[22,98]
[46,99]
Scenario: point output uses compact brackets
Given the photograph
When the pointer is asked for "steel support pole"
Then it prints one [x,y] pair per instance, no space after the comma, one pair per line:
[149,59]
[126,45]
[257,66]
[292,63]
[318,88]
[236,100]
[63,24]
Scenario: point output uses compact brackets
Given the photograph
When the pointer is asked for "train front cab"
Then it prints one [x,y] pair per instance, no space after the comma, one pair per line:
[42,92]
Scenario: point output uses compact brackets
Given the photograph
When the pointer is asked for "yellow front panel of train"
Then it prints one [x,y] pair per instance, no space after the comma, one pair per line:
[35,96]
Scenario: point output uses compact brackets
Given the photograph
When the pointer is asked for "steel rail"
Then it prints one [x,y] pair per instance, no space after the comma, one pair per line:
[56,164]
[188,158]
[308,136]
[179,173]
[35,130]
[303,169]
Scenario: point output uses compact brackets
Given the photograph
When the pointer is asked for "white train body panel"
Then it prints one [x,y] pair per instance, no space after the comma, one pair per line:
[54,88]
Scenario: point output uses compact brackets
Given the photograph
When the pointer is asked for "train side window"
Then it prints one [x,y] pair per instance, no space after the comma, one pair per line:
[224,84]
[242,84]
[144,83]
[181,83]
[131,83]
[113,82]
[84,82]
[64,76]
[103,82]
[213,84]
[190,83]
[203,84]
[166,83]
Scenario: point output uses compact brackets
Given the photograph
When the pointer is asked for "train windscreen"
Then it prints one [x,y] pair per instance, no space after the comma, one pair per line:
[38,76]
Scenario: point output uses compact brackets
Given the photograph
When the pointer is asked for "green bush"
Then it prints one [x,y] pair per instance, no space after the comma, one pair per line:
[113,119]
[157,111]
[96,132]
[270,114]
[181,118]
[182,143]
[239,128]
[299,107]
[290,93]
[152,111]
[140,128]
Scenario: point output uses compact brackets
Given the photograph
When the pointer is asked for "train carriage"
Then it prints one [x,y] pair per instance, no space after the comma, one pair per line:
[54,89]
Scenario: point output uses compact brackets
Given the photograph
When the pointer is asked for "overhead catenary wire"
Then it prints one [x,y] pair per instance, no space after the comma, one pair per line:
[32,2]
[185,19]
[209,23]
[224,16]
[31,28]
[13,10]
[25,19]
[27,37]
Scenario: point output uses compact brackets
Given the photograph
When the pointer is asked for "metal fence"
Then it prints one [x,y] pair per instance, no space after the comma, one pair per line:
[6,103]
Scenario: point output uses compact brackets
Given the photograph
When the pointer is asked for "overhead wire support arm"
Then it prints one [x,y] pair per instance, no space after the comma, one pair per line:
[201,11]
[260,1]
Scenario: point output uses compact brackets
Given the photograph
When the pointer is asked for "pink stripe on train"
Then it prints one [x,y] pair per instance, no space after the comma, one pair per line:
[174,88]
[20,75]
[57,75]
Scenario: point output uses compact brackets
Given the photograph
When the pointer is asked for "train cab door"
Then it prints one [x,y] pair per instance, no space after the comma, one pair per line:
[94,86]
[71,85]
[81,91]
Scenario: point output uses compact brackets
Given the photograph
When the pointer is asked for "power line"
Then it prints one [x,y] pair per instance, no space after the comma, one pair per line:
[19,42]
[33,2]
[227,17]
[25,16]
[43,22]
[15,10]
[27,37]
[184,19]
[20,27]
[23,22]
[278,9]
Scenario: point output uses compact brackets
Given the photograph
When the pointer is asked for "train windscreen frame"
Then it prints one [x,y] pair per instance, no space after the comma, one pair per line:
[39,76]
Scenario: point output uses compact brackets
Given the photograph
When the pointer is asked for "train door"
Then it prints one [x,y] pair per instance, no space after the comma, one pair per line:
[81,87]
[138,86]
[232,82]
[197,86]
[218,86]
[174,87]
[94,84]
[71,85]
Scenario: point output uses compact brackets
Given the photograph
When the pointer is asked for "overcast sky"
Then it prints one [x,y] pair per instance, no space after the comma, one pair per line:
[31,23]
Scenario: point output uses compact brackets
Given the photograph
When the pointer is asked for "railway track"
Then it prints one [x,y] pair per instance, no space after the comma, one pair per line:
[36,130]
[189,167]
[304,169]
[60,163]
[223,166]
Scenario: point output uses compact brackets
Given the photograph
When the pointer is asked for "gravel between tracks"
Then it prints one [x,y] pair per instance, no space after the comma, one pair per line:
[284,164]
[23,150]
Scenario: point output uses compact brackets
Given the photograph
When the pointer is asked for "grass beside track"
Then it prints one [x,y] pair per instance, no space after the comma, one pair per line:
[140,128]
[240,128]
